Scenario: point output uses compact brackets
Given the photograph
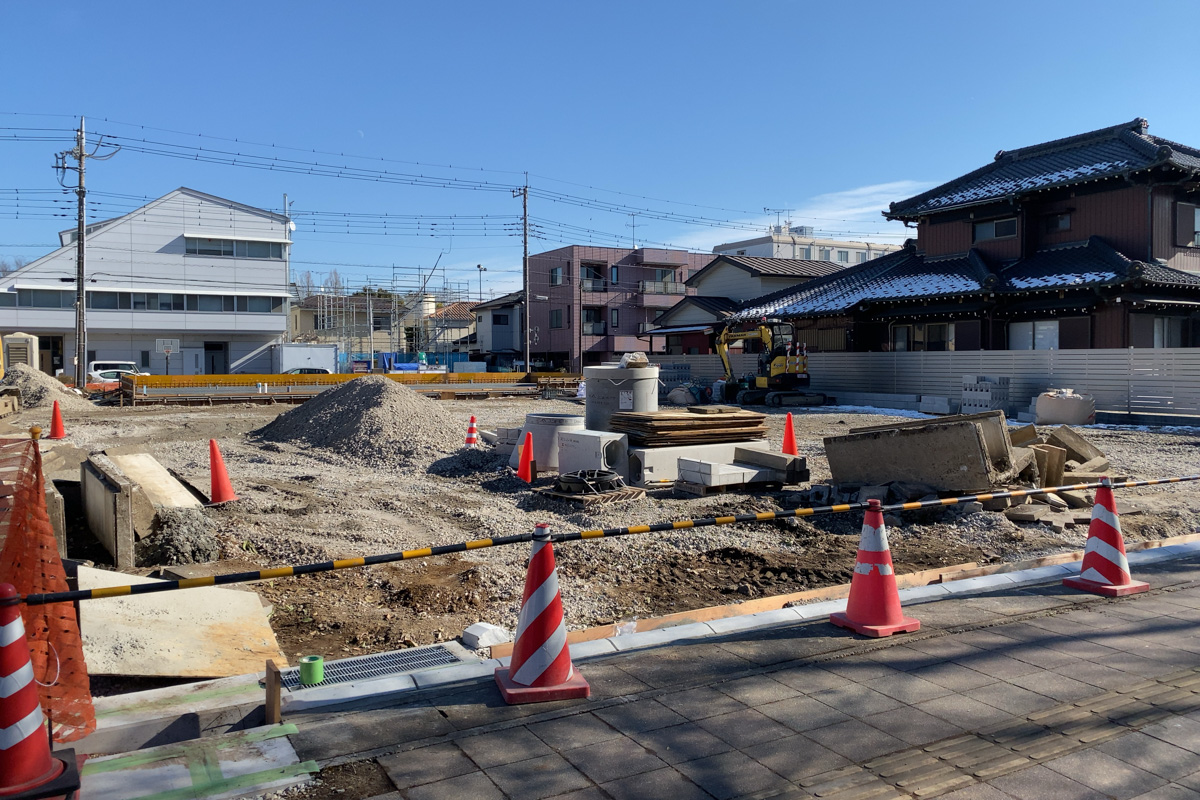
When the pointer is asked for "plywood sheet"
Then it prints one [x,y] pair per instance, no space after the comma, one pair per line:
[190,633]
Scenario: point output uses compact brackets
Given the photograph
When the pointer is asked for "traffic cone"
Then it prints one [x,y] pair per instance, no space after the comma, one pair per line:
[874,605]
[27,769]
[57,431]
[222,489]
[472,434]
[526,469]
[1105,567]
[540,670]
[789,438]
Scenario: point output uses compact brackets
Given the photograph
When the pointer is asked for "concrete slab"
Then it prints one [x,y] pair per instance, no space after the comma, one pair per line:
[160,486]
[954,456]
[192,633]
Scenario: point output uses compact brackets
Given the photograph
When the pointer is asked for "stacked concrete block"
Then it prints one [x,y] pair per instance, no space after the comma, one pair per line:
[984,393]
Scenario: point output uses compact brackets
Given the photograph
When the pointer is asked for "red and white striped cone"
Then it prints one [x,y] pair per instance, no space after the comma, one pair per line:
[1105,568]
[540,670]
[472,434]
[27,769]
[874,605]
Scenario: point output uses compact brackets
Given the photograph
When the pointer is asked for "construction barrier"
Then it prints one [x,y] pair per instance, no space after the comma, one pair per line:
[478,544]
[134,383]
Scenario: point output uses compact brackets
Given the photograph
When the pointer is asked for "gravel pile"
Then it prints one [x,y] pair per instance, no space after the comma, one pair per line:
[373,421]
[39,390]
[185,536]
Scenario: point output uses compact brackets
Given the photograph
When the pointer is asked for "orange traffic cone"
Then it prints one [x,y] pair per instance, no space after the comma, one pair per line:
[526,469]
[27,769]
[541,669]
[1105,567]
[57,431]
[874,605]
[789,438]
[222,489]
[472,434]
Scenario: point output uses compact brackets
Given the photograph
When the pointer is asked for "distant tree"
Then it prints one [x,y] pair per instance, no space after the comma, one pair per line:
[333,282]
[11,264]
[305,285]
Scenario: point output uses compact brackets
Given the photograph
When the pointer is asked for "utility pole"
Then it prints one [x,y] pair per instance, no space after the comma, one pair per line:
[80,155]
[482,269]
[371,325]
[524,192]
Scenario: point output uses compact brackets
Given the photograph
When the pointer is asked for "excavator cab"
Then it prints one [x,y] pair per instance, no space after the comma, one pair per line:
[782,366]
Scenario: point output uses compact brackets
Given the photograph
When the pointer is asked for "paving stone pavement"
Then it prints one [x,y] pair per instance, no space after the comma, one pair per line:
[1031,693]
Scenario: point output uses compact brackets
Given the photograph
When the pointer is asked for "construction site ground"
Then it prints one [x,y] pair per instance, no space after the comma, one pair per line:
[301,504]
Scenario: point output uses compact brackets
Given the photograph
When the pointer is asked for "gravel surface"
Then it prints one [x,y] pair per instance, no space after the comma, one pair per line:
[404,483]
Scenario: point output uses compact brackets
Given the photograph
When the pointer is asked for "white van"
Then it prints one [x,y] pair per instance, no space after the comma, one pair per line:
[102,371]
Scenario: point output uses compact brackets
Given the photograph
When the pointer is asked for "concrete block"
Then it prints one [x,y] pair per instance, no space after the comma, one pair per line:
[649,466]
[792,469]
[457,673]
[1095,465]
[868,493]
[973,507]
[633,641]
[108,508]
[949,456]
[1027,512]
[1023,436]
[1077,447]
[748,622]
[1050,463]
[484,634]
[588,449]
[346,694]
[593,648]
[1077,499]
[56,510]
[932,404]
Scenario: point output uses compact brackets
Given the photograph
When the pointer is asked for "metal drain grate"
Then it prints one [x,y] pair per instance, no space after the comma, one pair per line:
[376,665]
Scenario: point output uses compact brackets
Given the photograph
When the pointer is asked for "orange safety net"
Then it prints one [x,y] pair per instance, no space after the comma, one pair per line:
[29,561]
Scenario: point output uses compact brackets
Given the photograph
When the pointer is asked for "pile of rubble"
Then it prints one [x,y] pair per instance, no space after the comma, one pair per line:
[39,390]
[965,454]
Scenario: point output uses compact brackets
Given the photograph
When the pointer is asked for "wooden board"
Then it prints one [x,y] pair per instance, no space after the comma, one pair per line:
[713,409]
[663,428]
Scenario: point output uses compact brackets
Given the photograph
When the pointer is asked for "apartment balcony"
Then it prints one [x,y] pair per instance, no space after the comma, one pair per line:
[593,329]
[662,287]
[646,327]
[593,285]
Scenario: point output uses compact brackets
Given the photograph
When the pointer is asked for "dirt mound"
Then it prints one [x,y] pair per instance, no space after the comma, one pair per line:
[185,536]
[373,421]
[467,462]
[39,390]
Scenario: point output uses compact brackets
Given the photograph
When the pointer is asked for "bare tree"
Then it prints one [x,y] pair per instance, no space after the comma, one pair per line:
[305,285]
[11,264]
[333,282]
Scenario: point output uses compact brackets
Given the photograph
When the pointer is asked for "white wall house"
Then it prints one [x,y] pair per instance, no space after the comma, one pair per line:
[209,272]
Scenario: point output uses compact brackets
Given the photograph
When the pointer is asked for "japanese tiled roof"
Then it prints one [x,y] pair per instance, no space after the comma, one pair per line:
[510,299]
[777,267]
[909,275]
[455,312]
[1109,152]
[897,276]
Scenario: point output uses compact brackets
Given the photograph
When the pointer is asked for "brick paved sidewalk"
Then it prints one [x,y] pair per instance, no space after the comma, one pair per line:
[1033,693]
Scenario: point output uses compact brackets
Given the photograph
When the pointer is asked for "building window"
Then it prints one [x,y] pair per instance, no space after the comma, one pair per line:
[664,275]
[825,254]
[996,229]
[231,247]
[933,337]
[556,318]
[45,298]
[1056,222]
[843,256]
[1168,332]
[592,319]
[381,322]
[145,359]
[499,319]
[556,275]
[614,317]
[741,252]
[1039,334]
[612,274]
[805,253]
[592,277]
[862,256]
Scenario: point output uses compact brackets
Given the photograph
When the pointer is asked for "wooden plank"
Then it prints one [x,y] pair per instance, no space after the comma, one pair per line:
[272,705]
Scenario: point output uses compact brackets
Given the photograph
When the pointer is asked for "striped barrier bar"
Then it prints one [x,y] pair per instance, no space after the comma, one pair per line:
[478,544]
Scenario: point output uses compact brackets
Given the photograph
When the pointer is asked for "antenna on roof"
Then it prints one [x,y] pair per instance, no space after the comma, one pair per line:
[779,212]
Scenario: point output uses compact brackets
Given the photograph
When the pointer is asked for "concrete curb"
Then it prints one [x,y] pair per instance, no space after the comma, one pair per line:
[350,694]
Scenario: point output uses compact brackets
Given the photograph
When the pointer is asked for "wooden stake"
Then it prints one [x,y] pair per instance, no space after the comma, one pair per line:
[274,683]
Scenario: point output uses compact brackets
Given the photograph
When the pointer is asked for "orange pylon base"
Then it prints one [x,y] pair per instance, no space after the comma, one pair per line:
[575,688]
[1106,589]
[905,625]
[63,779]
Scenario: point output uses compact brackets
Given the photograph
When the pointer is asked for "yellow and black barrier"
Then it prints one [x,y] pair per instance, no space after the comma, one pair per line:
[604,533]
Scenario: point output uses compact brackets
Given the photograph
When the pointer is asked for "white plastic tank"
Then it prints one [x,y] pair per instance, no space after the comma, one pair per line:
[545,429]
[612,389]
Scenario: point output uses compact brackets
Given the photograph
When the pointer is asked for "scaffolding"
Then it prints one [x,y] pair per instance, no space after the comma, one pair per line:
[393,324]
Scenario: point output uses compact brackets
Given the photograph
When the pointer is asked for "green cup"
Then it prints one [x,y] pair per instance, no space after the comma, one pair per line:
[312,670]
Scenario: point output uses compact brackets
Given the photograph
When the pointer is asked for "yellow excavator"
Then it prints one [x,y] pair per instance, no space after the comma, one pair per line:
[782,367]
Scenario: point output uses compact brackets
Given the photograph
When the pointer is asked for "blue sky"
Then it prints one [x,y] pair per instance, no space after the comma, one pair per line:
[700,109]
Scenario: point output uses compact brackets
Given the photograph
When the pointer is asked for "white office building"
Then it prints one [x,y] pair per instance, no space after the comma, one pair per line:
[798,242]
[207,272]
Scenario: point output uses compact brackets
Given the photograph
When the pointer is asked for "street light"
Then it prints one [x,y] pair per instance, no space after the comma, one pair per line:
[482,269]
